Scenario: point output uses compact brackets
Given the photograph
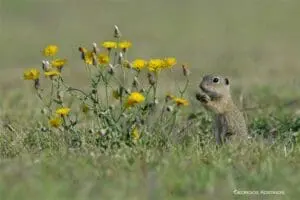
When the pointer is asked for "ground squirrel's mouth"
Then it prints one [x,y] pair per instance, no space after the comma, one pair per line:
[213,95]
[204,90]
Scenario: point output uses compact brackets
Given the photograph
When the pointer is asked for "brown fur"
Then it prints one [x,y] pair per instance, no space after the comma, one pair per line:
[216,97]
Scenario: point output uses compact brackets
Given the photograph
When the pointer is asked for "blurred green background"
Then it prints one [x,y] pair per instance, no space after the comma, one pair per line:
[255,42]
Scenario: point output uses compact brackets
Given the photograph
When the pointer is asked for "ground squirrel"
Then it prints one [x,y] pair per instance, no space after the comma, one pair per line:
[215,96]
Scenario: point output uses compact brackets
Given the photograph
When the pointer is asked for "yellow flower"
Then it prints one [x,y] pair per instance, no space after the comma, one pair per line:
[88,58]
[55,122]
[134,98]
[85,108]
[125,45]
[155,65]
[63,111]
[103,59]
[50,50]
[116,94]
[31,74]
[139,64]
[181,102]
[169,62]
[109,45]
[52,73]
[135,134]
[59,63]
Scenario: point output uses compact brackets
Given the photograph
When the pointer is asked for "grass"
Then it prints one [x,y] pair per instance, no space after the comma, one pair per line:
[179,172]
[255,43]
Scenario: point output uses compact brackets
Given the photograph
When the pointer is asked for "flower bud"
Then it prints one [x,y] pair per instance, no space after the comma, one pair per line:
[46,65]
[73,122]
[120,58]
[95,60]
[151,79]
[117,33]
[44,129]
[135,83]
[60,95]
[91,130]
[121,91]
[185,70]
[168,97]
[111,107]
[82,53]
[84,108]
[44,111]
[37,84]
[95,48]
[170,108]
[111,69]
[127,91]
[103,131]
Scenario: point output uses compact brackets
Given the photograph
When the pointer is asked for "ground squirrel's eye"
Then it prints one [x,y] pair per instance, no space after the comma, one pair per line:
[216,80]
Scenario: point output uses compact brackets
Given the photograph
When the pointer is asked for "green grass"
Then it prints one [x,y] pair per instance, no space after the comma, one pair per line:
[255,43]
[179,172]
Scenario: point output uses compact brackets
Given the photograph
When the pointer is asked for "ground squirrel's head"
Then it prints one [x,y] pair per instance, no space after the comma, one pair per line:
[215,86]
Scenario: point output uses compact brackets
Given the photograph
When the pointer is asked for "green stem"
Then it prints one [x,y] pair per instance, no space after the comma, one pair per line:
[184,89]
[51,94]
[39,95]
[173,122]
[155,87]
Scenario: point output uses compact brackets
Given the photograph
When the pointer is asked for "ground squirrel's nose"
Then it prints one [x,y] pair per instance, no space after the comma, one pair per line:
[202,86]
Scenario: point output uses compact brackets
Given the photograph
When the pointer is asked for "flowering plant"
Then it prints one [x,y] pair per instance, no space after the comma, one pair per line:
[119,105]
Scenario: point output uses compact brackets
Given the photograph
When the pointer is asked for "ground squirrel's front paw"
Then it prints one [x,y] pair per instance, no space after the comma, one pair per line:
[202,97]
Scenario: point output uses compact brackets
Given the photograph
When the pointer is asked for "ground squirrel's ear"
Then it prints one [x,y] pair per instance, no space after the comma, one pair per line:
[226,81]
